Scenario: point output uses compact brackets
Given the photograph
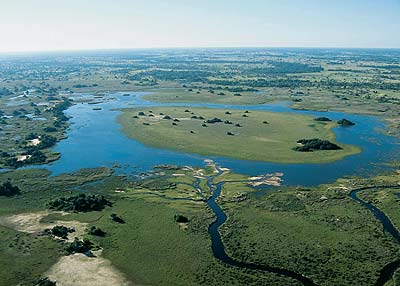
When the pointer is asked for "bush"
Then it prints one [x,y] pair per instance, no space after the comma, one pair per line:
[181,219]
[49,129]
[116,218]
[345,122]
[8,190]
[45,282]
[80,203]
[46,141]
[61,231]
[322,119]
[79,246]
[214,120]
[36,157]
[96,231]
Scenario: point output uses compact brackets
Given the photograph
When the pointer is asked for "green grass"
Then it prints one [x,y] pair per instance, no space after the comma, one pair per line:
[25,257]
[333,241]
[203,95]
[272,142]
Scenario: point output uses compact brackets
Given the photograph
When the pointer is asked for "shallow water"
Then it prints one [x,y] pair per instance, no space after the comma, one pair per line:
[95,139]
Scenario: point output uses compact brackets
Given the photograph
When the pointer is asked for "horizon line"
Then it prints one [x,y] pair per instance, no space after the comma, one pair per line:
[28,52]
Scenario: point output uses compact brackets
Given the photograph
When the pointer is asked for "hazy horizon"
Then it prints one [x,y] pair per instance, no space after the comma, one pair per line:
[45,25]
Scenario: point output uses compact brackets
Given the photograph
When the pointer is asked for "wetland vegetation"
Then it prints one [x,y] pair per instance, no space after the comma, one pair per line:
[200,223]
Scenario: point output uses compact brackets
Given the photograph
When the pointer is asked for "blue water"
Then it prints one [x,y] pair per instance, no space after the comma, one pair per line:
[95,139]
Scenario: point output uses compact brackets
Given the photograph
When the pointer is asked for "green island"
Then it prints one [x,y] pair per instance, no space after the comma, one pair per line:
[248,135]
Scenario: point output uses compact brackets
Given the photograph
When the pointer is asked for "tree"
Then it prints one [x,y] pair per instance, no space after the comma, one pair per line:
[309,145]
[79,246]
[80,203]
[93,230]
[345,122]
[45,282]
[181,219]
[60,231]
[8,190]
[116,218]
[322,119]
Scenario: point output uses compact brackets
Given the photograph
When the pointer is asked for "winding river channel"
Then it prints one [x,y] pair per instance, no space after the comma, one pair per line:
[95,139]
[217,245]
[387,272]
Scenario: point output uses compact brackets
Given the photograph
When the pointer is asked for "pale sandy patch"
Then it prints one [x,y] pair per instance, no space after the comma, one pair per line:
[183,225]
[21,158]
[273,181]
[33,142]
[178,175]
[268,179]
[265,139]
[78,269]
[31,223]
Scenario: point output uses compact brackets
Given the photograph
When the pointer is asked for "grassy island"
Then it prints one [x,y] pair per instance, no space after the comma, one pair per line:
[247,135]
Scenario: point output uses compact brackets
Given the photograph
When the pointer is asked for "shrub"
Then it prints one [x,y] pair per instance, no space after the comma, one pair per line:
[214,120]
[181,219]
[96,231]
[345,122]
[116,218]
[8,190]
[79,246]
[61,231]
[322,119]
[45,282]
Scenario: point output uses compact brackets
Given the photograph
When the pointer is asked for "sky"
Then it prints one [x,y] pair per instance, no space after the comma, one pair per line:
[47,25]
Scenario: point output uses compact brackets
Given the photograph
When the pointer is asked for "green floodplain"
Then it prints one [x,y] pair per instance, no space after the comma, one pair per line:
[154,225]
[152,248]
[255,135]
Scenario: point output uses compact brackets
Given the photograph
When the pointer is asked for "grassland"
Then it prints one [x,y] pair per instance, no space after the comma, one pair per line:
[263,136]
[319,232]
[315,232]
[219,96]
[149,249]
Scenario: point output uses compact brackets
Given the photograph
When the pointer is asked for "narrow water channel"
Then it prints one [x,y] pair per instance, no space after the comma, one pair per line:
[218,247]
[386,272]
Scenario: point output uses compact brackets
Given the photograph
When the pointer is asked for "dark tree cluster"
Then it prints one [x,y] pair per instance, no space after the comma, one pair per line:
[116,218]
[93,230]
[309,145]
[60,231]
[45,282]
[58,111]
[214,120]
[80,203]
[323,119]
[280,67]
[79,246]
[181,219]
[345,122]
[8,190]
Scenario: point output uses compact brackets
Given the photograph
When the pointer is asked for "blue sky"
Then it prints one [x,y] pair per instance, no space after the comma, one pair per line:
[31,25]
